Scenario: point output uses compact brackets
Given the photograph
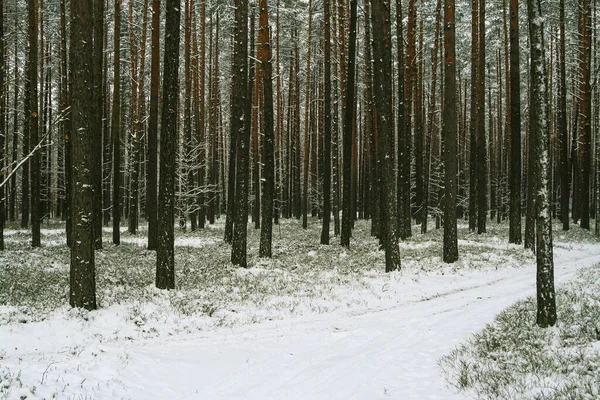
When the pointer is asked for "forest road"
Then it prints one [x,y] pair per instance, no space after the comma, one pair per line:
[389,354]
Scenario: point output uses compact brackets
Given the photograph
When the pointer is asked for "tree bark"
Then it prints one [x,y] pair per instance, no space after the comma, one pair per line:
[266,233]
[546,302]
[382,54]
[82,275]
[449,134]
[240,126]
[116,127]
[165,257]
[152,157]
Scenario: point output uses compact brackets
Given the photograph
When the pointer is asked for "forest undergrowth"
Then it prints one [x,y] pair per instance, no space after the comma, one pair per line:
[512,358]
[303,277]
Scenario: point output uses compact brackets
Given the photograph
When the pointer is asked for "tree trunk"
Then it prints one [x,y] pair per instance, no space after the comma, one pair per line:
[33,122]
[115,127]
[165,257]
[450,135]
[474,124]
[382,54]
[98,118]
[82,275]
[347,128]
[482,169]
[585,110]
[3,98]
[152,167]
[240,126]
[327,126]
[546,302]
[306,122]
[266,233]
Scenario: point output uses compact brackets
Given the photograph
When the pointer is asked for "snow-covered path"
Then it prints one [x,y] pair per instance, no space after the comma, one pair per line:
[376,354]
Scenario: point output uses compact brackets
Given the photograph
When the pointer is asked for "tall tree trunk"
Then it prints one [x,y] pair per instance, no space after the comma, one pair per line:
[240,126]
[66,67]
[431,118]
[115,127]
[449,134]
[98,118]
[152,157]
[15,140]
[266,233]
[474,124]
[585,109]
[3,98]
[165,257]
[327,125]
[306,121]
[33,121]
[347,142]
[82,275]
[546,302]
[482,169]
[202,140]
[403,182]
[563,134]
[382,54]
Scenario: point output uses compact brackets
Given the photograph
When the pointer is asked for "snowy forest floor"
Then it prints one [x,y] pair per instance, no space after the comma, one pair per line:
[313,322]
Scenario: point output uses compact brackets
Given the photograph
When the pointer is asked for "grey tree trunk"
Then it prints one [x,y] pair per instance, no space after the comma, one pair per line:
[165,255]
[82,275]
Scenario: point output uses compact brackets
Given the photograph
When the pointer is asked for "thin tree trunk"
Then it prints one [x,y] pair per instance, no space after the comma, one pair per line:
[347,142]
[152,167]
[266,233]
[327,126]
[116,127]
[33,122]
[240,126]
[450,135]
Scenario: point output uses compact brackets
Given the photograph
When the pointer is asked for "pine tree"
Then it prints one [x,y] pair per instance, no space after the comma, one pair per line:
[115,127]
[165,257]
[449,134]
[82,275]
[240,126]
[266,233]
[152,157]
[546,299]
[382,54]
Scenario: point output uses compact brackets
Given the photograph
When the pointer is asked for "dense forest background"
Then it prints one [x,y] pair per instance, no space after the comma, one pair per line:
[184,112]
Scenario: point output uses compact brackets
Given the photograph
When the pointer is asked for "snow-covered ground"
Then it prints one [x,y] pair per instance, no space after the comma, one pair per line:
[385,347]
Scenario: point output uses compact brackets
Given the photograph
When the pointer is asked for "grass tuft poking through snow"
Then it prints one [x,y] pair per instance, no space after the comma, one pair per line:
[512,358]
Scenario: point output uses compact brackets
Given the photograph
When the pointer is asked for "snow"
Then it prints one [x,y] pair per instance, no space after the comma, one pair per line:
[386,348]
